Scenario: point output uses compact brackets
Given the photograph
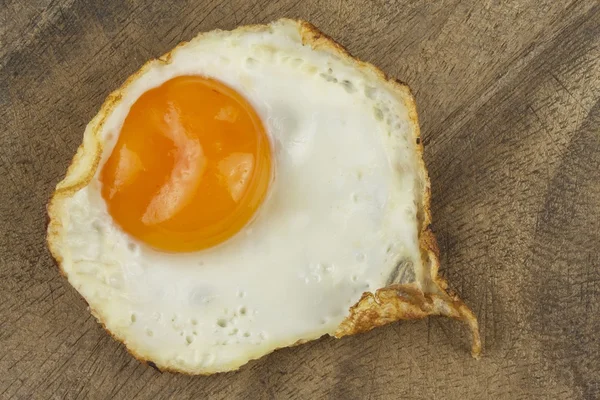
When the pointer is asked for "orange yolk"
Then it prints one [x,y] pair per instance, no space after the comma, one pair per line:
[190,168]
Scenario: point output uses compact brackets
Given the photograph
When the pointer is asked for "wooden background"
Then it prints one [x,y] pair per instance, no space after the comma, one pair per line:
[508,95]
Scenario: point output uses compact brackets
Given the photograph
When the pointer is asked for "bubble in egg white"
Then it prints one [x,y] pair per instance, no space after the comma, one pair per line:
[222,322]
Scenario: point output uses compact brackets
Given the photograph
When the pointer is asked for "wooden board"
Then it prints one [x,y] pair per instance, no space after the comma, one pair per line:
[508,95]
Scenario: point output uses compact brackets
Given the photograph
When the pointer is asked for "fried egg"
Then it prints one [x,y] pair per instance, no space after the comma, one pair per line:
[250,190]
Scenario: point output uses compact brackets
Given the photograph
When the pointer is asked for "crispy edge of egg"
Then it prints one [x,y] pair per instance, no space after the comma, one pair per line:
[388,304]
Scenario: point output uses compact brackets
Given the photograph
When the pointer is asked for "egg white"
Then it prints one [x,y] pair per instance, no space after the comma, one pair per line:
[341,211]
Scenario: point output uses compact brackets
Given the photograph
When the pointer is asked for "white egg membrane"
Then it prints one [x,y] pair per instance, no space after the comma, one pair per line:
[341,212]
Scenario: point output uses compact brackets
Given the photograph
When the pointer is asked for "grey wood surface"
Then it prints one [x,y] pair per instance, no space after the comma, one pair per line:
[508,94]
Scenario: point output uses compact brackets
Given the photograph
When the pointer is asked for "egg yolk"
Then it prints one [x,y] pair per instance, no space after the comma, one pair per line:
[190,168]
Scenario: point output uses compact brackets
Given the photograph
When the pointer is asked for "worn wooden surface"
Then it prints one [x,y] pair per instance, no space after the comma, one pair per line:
[508,94]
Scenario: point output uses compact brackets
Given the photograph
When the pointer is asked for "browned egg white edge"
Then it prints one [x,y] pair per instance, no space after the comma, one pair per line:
[389,304]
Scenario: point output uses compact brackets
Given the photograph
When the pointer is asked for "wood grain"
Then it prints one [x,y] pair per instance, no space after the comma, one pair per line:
[509,100]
